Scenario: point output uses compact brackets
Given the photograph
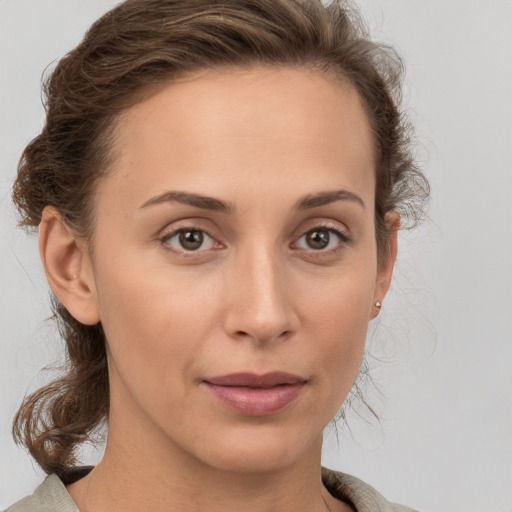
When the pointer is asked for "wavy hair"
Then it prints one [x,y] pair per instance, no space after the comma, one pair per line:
[144,42]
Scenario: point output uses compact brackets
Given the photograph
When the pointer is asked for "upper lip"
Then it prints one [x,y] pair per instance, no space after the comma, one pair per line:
[253,380]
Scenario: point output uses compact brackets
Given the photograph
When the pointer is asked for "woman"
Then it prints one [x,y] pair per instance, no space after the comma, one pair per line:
[218,190]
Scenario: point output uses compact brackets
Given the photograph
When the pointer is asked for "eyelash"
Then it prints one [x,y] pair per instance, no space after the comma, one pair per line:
[166,237]
[343,240]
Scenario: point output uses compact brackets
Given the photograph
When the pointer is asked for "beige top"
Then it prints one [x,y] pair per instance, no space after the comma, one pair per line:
[51,496]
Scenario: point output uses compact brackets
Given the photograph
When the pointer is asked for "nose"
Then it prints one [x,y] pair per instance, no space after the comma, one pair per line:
[259,304]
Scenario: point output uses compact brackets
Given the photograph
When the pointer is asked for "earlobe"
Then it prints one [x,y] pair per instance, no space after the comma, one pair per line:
[68,267]
[387,264]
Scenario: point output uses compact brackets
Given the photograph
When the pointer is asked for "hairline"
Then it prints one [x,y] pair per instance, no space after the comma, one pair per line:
[110,151]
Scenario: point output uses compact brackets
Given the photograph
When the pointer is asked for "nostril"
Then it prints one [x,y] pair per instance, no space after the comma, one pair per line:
[261,337]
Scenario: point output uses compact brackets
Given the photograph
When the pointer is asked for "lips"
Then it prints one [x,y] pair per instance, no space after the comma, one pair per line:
[256,395]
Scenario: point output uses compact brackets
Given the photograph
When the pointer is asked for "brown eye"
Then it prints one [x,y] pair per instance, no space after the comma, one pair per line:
[318,238]
[191,240]
[188,240]
[322,239]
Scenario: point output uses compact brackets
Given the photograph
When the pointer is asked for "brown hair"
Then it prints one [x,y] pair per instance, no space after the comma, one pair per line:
[142,42]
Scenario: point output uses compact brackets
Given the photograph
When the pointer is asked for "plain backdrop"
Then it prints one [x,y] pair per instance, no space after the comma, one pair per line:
[441,351]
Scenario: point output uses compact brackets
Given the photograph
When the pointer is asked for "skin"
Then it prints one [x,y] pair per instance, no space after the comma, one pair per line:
[255,297]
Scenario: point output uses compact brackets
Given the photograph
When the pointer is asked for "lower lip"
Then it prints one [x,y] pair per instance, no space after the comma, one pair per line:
[256,401]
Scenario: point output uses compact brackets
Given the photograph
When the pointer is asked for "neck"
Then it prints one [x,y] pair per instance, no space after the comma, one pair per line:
[141,475]
[125,481]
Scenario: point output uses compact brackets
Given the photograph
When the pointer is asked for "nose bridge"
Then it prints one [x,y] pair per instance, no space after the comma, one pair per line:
[260,304]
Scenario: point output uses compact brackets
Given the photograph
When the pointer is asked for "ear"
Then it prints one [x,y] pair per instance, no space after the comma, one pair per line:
[68,267]
[387,262]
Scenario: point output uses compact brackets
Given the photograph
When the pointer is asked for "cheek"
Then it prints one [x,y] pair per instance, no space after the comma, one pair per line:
[335,319]
[340,302]
[155,323]
[341,332]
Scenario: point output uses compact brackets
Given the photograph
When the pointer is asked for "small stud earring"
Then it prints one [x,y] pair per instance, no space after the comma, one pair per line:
[378,304]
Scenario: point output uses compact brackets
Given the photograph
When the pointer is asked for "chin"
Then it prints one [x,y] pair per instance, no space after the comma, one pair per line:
[260,450]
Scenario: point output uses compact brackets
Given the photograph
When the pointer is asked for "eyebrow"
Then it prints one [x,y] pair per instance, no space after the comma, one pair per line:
[213,204]
[323,198]
[188,198]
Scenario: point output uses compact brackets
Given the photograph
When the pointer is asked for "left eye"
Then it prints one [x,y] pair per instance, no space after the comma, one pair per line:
[189,240]
[320,239]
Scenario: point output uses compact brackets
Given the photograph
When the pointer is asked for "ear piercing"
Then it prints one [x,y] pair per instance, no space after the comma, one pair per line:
[378,304]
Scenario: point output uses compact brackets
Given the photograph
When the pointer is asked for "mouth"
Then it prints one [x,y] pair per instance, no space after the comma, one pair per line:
[256,395]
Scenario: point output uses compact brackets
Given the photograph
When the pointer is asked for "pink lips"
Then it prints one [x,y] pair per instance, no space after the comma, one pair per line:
[256,395]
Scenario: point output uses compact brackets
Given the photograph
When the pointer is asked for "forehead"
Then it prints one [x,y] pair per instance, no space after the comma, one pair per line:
[266,122]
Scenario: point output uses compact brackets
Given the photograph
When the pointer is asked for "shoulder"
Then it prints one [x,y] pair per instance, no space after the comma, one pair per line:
[359,494]
[50,496]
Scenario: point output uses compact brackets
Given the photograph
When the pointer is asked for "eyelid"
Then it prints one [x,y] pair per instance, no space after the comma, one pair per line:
[330,225]
[340,230]
[184,225]
[337,228]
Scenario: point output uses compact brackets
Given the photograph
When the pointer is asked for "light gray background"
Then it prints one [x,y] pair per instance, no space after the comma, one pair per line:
[443,344]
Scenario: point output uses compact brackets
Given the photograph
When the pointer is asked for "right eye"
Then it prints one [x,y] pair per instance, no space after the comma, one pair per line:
[188,240]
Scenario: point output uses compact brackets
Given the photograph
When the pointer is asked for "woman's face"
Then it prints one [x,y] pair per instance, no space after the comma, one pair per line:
[235,239]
